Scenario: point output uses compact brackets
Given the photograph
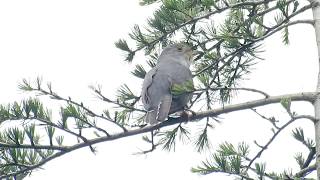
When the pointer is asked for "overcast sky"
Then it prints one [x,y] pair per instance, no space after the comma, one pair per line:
[71,44]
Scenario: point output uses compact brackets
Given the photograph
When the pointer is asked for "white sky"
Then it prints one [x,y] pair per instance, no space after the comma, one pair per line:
[71,44]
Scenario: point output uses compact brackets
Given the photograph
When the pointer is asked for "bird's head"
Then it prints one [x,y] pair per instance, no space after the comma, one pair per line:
[179,52]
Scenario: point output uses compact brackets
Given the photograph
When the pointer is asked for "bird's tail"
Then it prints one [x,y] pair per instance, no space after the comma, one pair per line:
[151,117]
[161,113]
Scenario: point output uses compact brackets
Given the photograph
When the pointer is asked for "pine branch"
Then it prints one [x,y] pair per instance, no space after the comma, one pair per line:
[309,97]
[305,171]
[104,98]
[275,29]
[235,89]
[263,148]
[272,120]
[53,95]
[27,146]
[310,157]
[206,16]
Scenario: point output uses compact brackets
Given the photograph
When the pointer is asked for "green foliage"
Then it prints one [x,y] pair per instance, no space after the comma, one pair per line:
[285,36]
[59,140]
[298,134]
[139,72]
[228,33]
[202,141]
[227,159]
[260,168]
[286,103]
[31,108]
[123,45]
[300,159]
[147,2]
[50,132]
[169,137]
[25,85]
[186,87]
[30,132]
[122,117]
[72,111]
[152,62]
[125,94]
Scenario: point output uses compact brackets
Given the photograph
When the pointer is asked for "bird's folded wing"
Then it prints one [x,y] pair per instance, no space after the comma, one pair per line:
[164,107]
[146,84]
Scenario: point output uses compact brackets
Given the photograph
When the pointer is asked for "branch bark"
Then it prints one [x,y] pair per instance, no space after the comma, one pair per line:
[305,96]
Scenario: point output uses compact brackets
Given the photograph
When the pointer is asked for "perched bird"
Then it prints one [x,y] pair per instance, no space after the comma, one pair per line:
[172,69]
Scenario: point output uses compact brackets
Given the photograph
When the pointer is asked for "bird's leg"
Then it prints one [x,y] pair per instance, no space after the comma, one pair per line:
[192,112]
[152,143]
[185,115]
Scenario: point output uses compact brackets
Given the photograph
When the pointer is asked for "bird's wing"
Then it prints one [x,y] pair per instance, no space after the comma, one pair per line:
[164,107]
[161,113]
[156,95]
[145,96]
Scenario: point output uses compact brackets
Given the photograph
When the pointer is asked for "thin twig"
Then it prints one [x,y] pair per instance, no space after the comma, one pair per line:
[305,171]
[104,98]
[90,112]
[309,97]
[274,136]
[206,16]
[28,146]
[272,120]
[230,88]
[310,157]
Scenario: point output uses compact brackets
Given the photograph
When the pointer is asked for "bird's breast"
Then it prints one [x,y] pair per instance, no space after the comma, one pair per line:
[177,72]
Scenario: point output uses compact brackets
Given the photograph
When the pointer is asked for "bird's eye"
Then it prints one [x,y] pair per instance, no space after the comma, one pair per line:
[179,48]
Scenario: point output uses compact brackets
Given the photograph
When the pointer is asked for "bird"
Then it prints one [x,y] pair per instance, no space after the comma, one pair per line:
[172,68]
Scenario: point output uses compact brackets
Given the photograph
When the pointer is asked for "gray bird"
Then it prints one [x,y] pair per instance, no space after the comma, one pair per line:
[172,69]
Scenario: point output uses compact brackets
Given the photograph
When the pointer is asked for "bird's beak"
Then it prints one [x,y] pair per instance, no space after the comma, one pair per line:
[191,53]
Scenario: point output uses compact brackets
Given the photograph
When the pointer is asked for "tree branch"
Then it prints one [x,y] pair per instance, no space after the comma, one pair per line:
[305,96]
[89,111]
[104,98]
[310,157]
[305,171]
[309,97]
[27,146]
[263,148]
[206,16]
[236,89]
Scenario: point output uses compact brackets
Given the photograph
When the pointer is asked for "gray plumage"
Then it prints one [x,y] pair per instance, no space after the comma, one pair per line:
[172,68]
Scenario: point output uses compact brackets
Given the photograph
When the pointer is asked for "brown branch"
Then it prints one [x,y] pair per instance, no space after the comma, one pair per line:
[272,8]
[263,148]
[206,16]
[236,89]
[49,123]
[305,171]
[90,112]
[273,30]
[104,98]
[312,152]
[276,28]
[306,96]
[272,120]
[27,146]
[65,130]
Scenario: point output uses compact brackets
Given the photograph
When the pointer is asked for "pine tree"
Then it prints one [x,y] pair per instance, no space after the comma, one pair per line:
[229,34]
